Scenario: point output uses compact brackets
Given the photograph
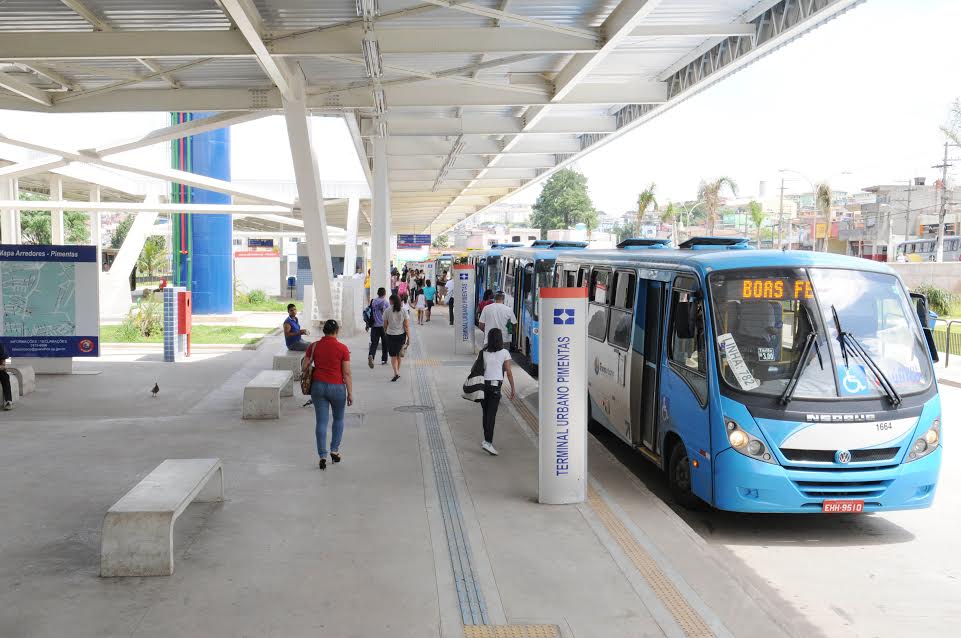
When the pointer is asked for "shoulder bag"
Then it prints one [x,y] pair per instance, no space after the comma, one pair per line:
[473,389]
[307,370]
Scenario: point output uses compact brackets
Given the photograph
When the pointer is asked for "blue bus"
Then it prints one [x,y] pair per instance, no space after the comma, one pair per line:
[488,267]
[525,271]
[761,380]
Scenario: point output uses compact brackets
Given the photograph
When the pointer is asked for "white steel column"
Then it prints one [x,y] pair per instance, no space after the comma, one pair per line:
[7,222]
[380,221]
[311,203]
[95,227]
[56,216]
[350,242]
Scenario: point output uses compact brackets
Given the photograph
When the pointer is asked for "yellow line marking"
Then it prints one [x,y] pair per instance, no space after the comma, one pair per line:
[512,631]
[686,617]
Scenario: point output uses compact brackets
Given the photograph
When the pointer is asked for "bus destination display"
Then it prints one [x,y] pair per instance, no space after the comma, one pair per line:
[776,289]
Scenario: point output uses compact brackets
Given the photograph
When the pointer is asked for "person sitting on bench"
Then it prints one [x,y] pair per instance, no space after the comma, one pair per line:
[293,334]
[5,379]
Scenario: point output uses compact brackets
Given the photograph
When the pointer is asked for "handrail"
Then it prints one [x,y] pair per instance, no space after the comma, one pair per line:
[947,339]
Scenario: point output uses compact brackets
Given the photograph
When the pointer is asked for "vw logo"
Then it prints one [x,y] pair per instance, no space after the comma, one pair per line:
[842,456]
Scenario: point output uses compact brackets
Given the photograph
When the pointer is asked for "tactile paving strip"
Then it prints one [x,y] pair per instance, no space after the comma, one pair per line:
[686,617]
[512,631]
[472,604]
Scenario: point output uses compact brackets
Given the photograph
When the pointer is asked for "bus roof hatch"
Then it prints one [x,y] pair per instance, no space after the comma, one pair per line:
[716,243]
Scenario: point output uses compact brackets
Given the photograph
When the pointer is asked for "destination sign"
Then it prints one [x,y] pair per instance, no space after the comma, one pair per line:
[776,289]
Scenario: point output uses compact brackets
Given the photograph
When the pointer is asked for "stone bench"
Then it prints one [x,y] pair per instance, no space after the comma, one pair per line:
[262,394]
[290,360]
[25,376]
[137,536]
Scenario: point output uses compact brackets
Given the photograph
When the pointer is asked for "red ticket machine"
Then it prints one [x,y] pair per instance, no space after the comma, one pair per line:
[185,313]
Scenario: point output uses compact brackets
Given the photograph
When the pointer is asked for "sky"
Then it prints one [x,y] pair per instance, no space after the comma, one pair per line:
[863,94]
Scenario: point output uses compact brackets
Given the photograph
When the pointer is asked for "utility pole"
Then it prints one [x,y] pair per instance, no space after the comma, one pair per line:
[939,246]
[780,219]
[907,211]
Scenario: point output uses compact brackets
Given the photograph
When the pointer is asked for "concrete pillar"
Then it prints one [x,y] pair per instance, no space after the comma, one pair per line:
[57,234]
[6,214]
[311,199]
[350,242]
[115,297]
[380,220]
[95,225]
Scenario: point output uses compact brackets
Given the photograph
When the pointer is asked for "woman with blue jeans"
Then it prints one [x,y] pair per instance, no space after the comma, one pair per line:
[331,390]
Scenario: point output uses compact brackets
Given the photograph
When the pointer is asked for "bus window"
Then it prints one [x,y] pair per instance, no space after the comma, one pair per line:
[583,276]
[598,310]
[600,281]
[685,346]
[622,314]
[570,278]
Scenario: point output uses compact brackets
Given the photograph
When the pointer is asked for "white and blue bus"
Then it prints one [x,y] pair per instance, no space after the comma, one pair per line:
[488,269]
[764,381]
[524,272]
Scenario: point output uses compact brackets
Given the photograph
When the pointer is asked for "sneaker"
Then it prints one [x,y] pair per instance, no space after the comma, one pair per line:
[370,362]
[8,405]
[384,362]
[489,448]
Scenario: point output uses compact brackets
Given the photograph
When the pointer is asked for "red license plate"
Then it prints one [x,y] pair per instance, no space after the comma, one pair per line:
[842,507]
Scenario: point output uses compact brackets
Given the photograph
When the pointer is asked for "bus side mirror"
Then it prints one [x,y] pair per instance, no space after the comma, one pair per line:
[927,319]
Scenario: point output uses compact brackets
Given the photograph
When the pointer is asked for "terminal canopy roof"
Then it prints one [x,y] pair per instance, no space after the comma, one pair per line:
[476,98]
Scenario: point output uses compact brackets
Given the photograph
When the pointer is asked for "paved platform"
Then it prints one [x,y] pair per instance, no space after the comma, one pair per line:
[417,533]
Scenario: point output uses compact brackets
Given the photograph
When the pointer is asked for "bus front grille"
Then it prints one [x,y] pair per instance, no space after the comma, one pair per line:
[827,456]
[842,489]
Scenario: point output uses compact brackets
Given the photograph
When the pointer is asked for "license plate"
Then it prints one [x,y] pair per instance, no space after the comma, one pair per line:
[842,507]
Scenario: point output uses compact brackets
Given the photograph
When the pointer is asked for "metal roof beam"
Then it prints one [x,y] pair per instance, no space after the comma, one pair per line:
[245,15]
[176,131]
[470,162]
[505,16]
[230,44]
[25,89]
[693,30]
[146,207]
[433,147]
[491,125]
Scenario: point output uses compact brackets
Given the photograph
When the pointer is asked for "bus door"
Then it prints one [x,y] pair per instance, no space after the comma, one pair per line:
[525,310]
[649,317]
[607,353]
[683,387]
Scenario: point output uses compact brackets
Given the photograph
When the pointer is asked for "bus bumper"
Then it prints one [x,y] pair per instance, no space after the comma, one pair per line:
[742,484]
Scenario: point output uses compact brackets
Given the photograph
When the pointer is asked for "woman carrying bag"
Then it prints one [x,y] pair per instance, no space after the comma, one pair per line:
[331,389]
[497,363]
[398,333]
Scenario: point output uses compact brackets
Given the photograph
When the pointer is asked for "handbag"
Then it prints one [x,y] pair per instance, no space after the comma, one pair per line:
[403,351]
[307,370]
[473,389]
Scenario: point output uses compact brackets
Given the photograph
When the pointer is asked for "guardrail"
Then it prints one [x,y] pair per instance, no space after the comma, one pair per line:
[947,338]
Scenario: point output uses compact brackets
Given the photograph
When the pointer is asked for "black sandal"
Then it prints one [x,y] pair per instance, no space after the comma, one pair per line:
[335,457]
[322,464]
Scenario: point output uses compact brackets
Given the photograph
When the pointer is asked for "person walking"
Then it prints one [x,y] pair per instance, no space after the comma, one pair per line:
[293,333]
[378,306]
[496,316]
[450,301]
[420,305]
[429,293]
[331,390]
[5,379]
[485,301]
[497,364]
[397,328]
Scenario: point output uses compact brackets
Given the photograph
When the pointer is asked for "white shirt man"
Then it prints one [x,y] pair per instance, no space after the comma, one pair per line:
[496,315]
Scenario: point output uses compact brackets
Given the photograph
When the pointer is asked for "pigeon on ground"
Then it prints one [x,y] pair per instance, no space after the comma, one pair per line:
[155,390]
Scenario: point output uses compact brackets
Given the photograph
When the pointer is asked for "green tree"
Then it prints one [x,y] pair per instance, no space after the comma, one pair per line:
[441,241]
[35,225]
[563,202]
[952,129]
[120,232]
[153,257]
[669,216]
[756,212]
[823,198]
[645,200]
[622,230]
[710,194]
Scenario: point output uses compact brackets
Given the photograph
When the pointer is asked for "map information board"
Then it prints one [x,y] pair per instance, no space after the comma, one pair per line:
[49,301]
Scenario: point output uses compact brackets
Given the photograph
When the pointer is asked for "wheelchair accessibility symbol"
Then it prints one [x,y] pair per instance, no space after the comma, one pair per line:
[854,380]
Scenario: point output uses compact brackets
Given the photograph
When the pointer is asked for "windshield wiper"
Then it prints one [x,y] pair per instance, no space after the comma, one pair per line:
[849,341]
[810,342]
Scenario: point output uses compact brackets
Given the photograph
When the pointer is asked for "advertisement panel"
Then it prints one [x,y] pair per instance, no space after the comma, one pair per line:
[562,398]
[463,308]
[49,301]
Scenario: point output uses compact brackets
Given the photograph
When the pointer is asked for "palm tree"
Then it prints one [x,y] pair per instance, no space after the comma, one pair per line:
[669,216]
[645,200]
[823,198]
[153,257]
[757,217]
[710,194]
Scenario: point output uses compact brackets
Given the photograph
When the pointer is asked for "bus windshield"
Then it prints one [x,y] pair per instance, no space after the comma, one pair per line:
[763,319]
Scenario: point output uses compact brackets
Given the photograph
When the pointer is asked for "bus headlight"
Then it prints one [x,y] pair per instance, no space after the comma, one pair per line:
[926,443]
[747,444]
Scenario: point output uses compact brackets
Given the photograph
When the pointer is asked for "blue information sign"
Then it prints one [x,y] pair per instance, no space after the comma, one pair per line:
[413,241]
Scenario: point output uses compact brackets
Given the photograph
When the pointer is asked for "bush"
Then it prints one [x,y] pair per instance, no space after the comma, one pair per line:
[255,297]
[940,300]
[146,318]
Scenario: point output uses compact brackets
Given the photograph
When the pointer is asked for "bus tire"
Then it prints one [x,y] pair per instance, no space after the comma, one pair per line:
[679,477]
[530,362]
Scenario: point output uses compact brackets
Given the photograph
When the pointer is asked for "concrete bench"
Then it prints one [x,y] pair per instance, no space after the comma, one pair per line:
[290,360]
[137,536]
[25,376]
[262,394]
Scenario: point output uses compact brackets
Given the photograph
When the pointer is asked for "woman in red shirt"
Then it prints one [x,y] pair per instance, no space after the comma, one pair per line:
[331,390]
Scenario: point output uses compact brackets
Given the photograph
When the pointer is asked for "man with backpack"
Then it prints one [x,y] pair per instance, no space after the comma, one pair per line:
[374,318]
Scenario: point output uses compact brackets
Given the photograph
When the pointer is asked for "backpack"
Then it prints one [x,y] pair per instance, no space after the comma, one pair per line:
[369,315]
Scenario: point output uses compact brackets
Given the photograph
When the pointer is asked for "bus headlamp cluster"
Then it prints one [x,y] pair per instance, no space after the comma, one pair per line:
[927,442]
[747,444]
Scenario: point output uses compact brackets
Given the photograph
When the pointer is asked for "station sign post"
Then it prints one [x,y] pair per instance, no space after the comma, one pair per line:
[463,292]
[562,398]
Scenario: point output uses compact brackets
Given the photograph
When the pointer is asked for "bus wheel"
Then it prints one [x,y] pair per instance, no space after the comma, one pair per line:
[530,362]
[679,477]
